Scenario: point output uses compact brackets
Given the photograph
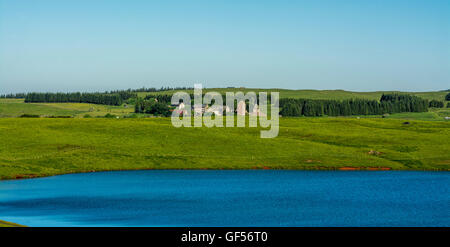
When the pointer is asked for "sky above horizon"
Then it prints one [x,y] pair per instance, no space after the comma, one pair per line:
[106,44]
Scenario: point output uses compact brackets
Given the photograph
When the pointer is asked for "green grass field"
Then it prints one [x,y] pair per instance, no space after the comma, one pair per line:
[42,147]
[17,107]
[434,114]
[50,146]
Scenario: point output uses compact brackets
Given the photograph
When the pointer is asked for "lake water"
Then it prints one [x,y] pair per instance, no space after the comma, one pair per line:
[230,198]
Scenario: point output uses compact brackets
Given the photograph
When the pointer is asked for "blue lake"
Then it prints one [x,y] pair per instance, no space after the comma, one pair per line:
[230,198]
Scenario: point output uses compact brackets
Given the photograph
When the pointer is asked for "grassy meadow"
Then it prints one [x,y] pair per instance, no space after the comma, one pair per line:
[434,114]
[41,146]
[17,107]
[33,147]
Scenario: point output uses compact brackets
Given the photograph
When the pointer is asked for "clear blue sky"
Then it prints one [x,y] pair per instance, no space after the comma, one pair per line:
[106,44]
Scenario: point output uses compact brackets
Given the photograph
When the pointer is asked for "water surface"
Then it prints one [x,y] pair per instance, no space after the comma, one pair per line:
[230,198]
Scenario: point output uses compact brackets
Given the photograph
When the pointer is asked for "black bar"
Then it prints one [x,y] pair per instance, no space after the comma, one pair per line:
[225,236]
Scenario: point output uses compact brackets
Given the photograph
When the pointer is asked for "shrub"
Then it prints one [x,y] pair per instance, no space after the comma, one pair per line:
[436,103]
[59,116]
[152,107]
[109,115]
[30,116]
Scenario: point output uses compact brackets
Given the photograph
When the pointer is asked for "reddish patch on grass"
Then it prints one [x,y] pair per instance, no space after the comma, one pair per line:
[379,168]
[349,168]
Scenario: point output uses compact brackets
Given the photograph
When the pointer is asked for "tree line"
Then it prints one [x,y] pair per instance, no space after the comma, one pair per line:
[106,98]
[153,89]
[389,103]
[124,94]
[13,96]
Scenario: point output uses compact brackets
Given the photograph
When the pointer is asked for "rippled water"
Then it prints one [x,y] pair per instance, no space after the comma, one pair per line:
[230,198]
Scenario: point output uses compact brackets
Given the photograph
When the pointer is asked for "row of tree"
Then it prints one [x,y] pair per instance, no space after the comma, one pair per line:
[125,94]
[13,96]
[94,98]
[389,103]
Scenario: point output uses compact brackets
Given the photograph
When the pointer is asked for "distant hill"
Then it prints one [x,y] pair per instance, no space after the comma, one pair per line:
[317,94]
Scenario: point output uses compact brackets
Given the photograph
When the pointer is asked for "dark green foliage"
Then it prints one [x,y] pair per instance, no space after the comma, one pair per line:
[131,101]
[389,103]
[436,104]
[161,98]
[405,103]
[109,115]
[124,95]
[158,108]
[105,98]
[13,96]
[152,107]
[291,109]
[59,117]
[447,97]
[29,116]
[94,98]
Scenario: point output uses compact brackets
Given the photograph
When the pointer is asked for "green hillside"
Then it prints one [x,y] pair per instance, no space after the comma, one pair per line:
[318,94]
[17,107]
[41,147]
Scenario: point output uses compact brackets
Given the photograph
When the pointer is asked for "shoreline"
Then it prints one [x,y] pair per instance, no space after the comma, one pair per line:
[337,169]
[9,224]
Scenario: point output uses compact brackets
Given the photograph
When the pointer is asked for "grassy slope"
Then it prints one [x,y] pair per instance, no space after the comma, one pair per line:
[320,94]
[39,147]
[8,224]
[16,107]
[434,114]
